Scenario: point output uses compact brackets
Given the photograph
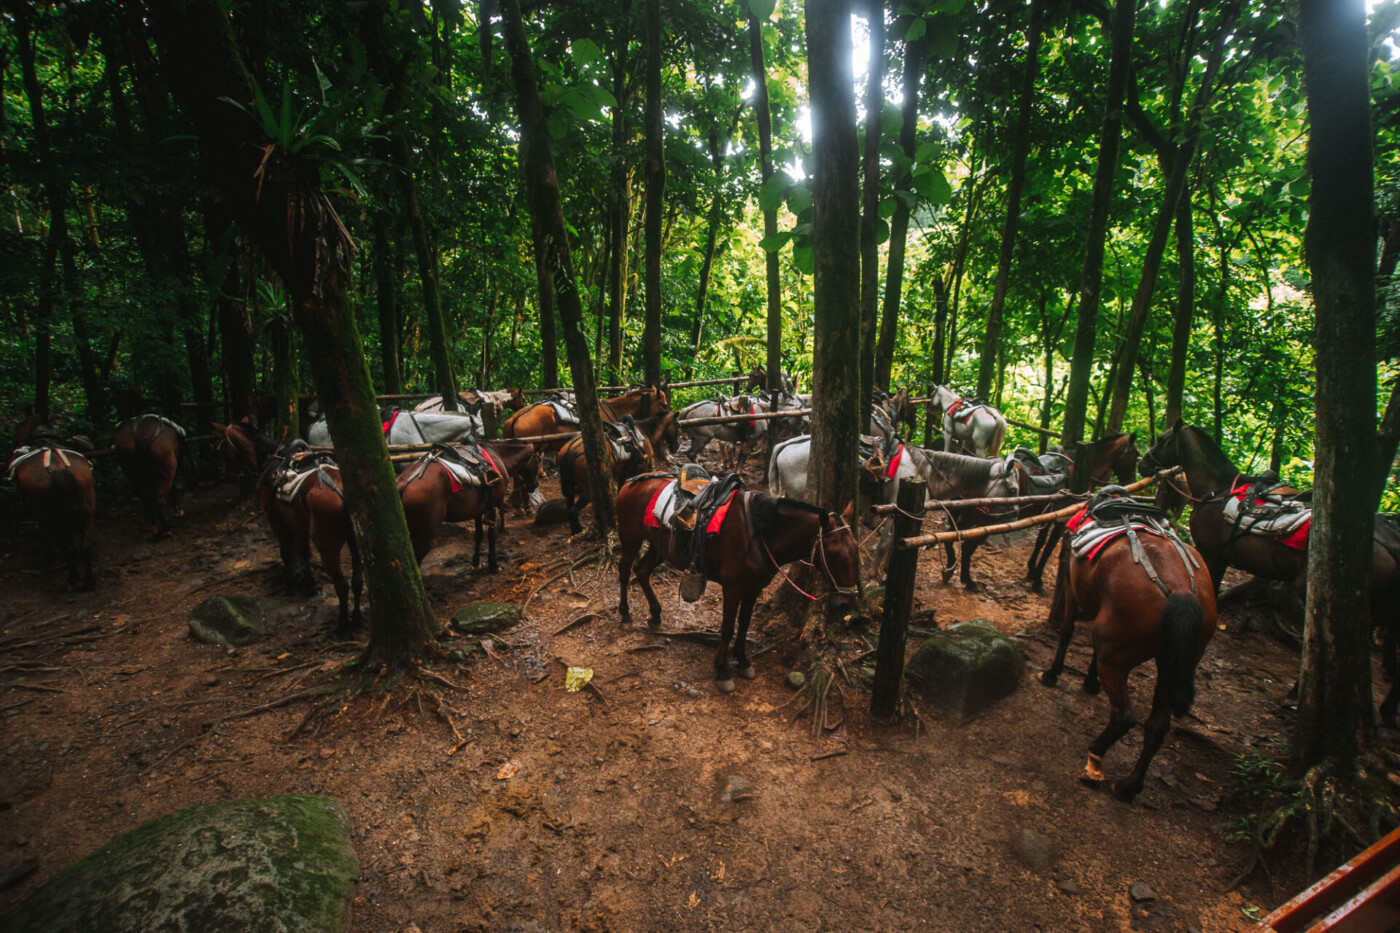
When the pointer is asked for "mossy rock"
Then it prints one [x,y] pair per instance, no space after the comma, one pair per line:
[552,512]
[280,864]
[967,667]
[482,618]
[227,620]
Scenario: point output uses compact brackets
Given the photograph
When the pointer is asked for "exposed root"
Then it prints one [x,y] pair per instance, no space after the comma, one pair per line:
[598,553]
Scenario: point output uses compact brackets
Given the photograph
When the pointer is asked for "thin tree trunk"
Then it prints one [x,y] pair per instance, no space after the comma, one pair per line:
[620,209]
[549,375]
[772,272]
[1185,309]
[1336,720]
[836,267]
[235,328]
[384,287]
[1082,362]
[991,344]
[548,210]
[656,187]
[974,202]
[286,382]
[202,66]
[697,327]
[870,210]
[899,223]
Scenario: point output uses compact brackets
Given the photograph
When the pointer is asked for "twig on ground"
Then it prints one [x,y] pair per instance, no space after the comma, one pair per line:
[566,572]
[41,688]
[834,753]
[438,678]
[586,617]
[275,704]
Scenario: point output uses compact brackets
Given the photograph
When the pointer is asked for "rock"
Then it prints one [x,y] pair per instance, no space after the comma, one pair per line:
[967,666]
[736,789]
[1034,849]
[227,620]
[552,512]
[1067,886]
[482,618]
[1141,893]
[796,680]
[924,619]
[284,863]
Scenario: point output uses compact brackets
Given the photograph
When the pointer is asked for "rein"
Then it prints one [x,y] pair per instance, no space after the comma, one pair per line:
[818,547]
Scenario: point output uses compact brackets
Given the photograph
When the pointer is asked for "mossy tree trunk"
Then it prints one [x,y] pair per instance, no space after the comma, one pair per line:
[547,209]
[282,207]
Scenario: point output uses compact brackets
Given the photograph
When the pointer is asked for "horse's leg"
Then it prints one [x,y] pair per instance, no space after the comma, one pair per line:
[1091,683]
[694,452]
[306,580]
[491,539]
[968,548]
[1154,731]
[741,637]
[1064,612]
[645,566]
[627,554]
[950,561]
[1120,720]
[1055,533]
[724,672]
[476,539]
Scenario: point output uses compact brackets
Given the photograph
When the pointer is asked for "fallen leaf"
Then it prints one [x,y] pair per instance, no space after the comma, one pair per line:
[694,901]
[577,678]
[508,770]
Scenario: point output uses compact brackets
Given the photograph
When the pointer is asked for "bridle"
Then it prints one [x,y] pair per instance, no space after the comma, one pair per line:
[1154,462]
[818,551]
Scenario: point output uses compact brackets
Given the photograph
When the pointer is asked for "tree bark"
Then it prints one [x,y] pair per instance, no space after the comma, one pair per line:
[772,273]
[547,208]
[836,267]
[899,223]
[280,203]
[1336,720]
[1091,279]
[386,292]
[991,343]
[656,187]
[870,211]
[1185,309]
[697,327]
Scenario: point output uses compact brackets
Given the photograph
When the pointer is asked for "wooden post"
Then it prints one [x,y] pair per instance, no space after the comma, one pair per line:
[899,600]
[1083,478]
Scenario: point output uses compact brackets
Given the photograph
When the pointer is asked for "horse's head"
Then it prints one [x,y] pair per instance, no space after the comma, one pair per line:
[758,379]
[671,430]
[516,400]
[527,482]
[1166,453]
[838,553]
[1004,482]
[32,428]
[1128,455]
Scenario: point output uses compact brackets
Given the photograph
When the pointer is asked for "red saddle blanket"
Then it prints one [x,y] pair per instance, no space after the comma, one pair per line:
[1099,536]
[390,423]
[1296,539]
[894,462]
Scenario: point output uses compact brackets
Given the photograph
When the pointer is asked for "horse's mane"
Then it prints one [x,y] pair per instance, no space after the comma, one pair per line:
[1208,444]
[959,467]
[766,510]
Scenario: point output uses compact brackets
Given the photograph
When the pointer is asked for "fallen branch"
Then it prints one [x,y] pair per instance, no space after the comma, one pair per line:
[438,678]
[586,617]
[834,753]
[275,704]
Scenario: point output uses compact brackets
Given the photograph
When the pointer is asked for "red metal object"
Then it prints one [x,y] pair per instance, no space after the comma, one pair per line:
[1361,896]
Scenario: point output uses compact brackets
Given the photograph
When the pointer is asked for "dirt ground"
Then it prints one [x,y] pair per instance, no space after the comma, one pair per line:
[654,803]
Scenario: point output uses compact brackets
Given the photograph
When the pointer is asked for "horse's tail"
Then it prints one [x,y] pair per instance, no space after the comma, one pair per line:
[566,474]
[70,500]
[1176,662]
[775,485]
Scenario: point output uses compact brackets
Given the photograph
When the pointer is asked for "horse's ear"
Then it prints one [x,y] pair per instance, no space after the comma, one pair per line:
[848,514]
[221,428]
[1180,423]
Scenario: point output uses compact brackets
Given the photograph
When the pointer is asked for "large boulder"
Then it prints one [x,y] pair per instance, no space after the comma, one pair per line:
[227,620]
[284,863]
[967,667]
[486,617]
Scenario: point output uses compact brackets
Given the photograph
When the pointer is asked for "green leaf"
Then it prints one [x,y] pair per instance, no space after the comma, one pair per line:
[770,196]
[887,208]
[925,152]
[943,42]
[585,52]
[762,9]
[799,199]
[558,129]
[882,231]
[951,7]
[802,258]
[775,242]
[916,30]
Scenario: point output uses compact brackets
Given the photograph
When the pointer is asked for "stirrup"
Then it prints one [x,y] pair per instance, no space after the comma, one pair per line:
[692,586]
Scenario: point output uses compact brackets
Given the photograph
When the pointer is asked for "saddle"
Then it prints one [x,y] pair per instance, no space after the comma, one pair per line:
[289,470]
[1260,505]
[466,464]
[738,405]
[1040,472]
[627,442]
[963,409]
[48,449]
[563,405]
[692,508]
[387,415]
[1112,513]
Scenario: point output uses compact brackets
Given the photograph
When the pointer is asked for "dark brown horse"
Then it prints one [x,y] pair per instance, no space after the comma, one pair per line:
[432,495]
[1115,455]
[758,536]
[58,490]
[148,451]
[244,451]
[540,418]
[758,381]
[1134,621]
[315,514]
[1210,477]
[659,429]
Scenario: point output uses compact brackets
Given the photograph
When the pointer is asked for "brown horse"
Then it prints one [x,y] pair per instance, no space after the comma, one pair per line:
[1134,621]
[758,381]
[316,514]
[757,537]
[148,450]
[1210,476]
[58,489]
[540,418]
[244,451]
[661,428]
[432,495]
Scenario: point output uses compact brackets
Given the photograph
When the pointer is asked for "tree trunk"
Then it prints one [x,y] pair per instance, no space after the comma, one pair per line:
[992,342]
[387,296]
[1082,362]
[870,211]
[697,327]
[235,329]
[548,210]
[1336,720]
[656,187]
[772,273]
[836,268]
[549,374]
[286,383]
[974,203]
[1185,309]
[899,223]
[284,210]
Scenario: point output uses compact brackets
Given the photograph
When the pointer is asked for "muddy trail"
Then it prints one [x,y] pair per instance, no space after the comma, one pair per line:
[651,802]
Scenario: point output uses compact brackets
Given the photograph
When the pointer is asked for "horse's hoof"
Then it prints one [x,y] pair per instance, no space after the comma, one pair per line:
[748,673]
[1049,679]
[1124,791]
[970,586]
[654,622]
[1091,687]
[725,686]
[624,617]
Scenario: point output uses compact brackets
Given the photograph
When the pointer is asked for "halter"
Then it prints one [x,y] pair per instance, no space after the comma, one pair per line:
[1150,458]
[818,547]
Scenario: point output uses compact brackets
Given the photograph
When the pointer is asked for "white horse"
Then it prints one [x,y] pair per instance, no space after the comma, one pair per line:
[738,433]
[979,427]
[411,427]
